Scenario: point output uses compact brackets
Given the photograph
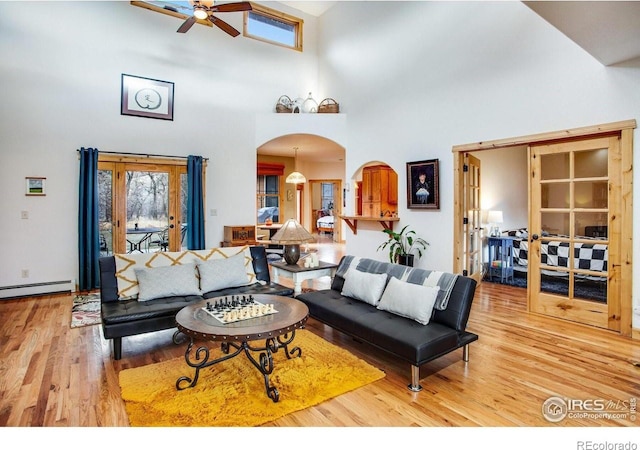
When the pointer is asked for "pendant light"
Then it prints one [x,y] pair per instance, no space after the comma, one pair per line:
[296,177]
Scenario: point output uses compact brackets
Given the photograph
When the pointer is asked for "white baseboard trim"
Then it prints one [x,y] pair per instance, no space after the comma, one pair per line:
[26,290]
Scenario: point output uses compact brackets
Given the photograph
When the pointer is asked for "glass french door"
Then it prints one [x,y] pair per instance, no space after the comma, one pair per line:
[142,205]
[472,243]
[573,237]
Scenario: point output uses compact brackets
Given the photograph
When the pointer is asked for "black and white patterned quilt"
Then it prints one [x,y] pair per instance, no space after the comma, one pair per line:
[556,254]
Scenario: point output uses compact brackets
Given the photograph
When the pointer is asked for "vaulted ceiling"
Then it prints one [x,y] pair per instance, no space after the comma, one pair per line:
[608,30]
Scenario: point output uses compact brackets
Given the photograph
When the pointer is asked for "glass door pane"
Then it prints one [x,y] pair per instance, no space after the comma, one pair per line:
[147,221]
[105,211]
[184,226]
[472,243]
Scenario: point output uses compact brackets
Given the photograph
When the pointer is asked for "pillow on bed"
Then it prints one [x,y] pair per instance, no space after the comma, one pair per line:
[413,301]
[223,273]
[519,233]
[364,286]
[167,281]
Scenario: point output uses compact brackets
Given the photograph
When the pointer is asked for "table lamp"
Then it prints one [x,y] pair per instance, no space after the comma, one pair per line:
[291,235]
[494,218]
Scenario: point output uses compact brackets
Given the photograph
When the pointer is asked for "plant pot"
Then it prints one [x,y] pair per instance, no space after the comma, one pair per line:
[405,260]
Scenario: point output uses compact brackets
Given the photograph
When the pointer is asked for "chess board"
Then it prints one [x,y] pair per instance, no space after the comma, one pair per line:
[226,312]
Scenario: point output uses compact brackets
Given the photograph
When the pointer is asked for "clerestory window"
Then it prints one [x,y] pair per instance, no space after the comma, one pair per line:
[273,26]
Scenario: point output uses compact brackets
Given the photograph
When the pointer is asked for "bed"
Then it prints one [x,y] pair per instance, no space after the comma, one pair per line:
[325,221]
[268,212]
[555,253]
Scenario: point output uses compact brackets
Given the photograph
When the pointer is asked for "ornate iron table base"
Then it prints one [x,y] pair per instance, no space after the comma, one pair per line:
[200,359]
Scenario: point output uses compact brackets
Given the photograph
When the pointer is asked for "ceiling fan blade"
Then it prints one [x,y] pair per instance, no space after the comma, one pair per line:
[232,7]
[187,25]
[224,26]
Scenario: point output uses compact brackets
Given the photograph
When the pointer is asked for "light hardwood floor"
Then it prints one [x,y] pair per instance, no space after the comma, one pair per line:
[51,375]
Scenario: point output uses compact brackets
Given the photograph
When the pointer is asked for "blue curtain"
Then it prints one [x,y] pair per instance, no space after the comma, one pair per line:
[195,204]
[88,235]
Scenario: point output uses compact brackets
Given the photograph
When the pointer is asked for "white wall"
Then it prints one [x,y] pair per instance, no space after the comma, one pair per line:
[504,185]
[60,85]
[432,75]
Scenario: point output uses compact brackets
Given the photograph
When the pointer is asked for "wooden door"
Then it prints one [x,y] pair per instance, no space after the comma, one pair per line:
[472,227]
[142,204]
[392,190]
[379,191]
[375,192]
[337,211]
[574,231]
[366,192]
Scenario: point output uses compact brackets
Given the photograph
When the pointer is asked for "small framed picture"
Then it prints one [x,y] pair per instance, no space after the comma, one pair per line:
[35,186]
[146,97]
[423,185]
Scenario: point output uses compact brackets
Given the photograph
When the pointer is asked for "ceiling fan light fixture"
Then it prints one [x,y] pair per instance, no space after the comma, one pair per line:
[200,13]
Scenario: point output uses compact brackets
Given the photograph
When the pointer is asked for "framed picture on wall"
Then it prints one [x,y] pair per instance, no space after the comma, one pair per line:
[146,97]
[35,186]
[423,185]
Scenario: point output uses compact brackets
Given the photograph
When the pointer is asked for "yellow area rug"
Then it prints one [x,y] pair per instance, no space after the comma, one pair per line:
[232,392]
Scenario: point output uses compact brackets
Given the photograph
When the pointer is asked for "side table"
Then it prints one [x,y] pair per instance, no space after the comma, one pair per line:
[299,273]
[501,258]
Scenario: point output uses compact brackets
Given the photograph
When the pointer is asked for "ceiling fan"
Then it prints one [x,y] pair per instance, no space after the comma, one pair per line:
[204,9]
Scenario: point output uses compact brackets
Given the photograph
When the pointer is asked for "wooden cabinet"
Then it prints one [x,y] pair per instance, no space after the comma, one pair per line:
[236,235]
[379,191]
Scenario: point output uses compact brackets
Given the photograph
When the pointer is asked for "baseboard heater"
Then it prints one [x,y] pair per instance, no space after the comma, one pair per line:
[28,290]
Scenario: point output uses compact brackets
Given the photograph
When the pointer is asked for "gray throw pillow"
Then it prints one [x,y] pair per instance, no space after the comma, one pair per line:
[413,301]
[221,273]
[364,286]
[167,281]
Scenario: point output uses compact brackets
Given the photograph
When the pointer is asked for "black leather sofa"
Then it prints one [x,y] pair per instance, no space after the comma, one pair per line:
[403,337]
[121,318]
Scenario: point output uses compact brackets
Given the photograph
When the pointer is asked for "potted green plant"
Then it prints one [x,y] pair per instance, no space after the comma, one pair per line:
[403,246]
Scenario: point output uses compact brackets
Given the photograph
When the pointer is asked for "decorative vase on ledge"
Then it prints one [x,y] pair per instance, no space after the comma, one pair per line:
[310,105]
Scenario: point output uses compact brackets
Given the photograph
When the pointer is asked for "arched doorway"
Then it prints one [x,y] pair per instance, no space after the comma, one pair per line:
[320,160]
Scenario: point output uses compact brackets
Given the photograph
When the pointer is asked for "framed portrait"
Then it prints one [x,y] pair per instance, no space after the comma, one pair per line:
[423,185]
[35,186]
[146,97]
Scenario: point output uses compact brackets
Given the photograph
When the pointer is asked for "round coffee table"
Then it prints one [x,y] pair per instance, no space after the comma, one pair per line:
[276,329]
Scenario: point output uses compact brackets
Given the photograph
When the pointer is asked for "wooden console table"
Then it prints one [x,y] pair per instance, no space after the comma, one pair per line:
[352,221]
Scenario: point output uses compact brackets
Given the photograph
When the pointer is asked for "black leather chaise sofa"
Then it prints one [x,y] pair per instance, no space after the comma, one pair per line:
[403,337]
[121,318]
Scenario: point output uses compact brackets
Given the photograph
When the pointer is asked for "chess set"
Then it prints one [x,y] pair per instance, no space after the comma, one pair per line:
[237,308]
